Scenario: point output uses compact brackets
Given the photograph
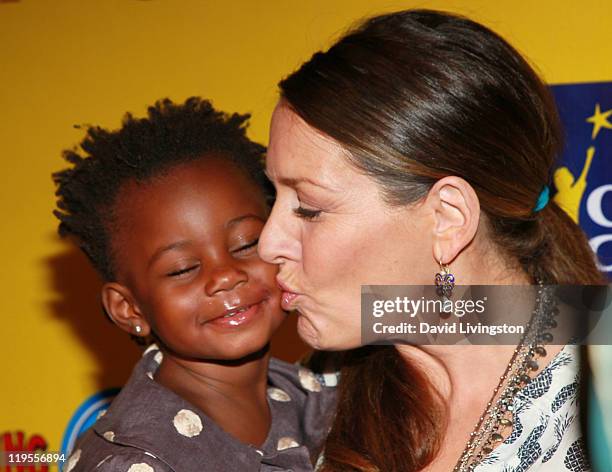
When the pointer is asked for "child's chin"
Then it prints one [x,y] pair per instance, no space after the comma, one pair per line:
[247,350]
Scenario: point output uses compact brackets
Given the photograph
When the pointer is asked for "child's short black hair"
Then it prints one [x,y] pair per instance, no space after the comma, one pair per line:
[171,134]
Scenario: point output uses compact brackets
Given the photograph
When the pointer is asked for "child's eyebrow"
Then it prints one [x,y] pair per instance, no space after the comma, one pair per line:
[169,247]
[239,219]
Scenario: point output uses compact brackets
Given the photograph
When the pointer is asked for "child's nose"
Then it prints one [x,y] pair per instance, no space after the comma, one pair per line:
[224,278]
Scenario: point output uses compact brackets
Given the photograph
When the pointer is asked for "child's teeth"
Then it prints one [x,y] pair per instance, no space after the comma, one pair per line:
[234,313]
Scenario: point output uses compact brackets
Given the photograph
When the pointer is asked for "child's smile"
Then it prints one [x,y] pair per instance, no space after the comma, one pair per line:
[239,315]
[186,248]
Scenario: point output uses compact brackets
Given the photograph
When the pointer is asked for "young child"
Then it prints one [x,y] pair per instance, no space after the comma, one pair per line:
[169,210]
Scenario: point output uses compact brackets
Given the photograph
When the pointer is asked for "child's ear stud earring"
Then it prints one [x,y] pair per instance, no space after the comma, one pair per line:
[138,329]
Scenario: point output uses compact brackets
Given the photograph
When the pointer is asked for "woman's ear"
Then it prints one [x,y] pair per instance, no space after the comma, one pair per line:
[123,310]
[456,215]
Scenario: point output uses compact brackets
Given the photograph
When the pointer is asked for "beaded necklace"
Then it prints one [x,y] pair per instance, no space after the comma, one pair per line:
[498,413]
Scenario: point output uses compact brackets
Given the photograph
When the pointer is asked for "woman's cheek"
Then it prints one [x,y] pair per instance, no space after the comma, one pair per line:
[322,253]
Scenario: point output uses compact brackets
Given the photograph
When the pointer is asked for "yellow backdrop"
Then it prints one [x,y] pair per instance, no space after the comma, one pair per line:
[70,62]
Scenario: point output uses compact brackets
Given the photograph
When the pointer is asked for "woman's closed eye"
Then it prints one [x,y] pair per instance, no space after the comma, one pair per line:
[306,213]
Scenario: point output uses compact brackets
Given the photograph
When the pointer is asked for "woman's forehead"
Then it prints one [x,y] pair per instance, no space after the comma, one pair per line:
[298,151]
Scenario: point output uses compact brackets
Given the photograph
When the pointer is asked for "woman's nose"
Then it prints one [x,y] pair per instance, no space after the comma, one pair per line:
[225,278]
[278,241]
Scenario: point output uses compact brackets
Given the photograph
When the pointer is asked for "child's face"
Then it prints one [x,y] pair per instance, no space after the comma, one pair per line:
[186,253]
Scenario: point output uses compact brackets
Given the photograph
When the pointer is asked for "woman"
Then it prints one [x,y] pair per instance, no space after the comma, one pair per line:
[420,143]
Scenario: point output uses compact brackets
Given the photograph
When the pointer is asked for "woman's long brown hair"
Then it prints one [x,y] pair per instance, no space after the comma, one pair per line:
[413,97]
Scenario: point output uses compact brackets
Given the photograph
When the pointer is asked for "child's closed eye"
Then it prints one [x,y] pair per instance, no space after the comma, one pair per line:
[186,270]
[246,248]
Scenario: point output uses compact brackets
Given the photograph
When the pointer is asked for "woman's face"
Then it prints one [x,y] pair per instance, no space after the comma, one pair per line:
[331,232]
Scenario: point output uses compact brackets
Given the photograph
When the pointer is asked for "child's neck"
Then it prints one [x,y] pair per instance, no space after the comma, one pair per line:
[231,393]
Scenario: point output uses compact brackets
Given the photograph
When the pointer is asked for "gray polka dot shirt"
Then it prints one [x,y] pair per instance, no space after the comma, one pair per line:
[149,428]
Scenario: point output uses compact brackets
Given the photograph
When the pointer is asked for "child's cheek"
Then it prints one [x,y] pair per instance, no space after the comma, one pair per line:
[264,273]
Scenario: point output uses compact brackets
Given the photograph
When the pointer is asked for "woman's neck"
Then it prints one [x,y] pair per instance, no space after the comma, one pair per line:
[482,263]
[466,375]
[452,367]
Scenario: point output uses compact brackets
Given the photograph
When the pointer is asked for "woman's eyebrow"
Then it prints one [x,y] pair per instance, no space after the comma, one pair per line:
[294,182]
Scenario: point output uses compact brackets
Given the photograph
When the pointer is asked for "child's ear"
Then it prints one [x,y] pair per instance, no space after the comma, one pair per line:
[123,310]
[456,217]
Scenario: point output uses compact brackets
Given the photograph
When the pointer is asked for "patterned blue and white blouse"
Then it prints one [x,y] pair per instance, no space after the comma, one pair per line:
[546,434]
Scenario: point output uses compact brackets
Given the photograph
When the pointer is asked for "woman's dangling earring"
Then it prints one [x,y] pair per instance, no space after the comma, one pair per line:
[445,281]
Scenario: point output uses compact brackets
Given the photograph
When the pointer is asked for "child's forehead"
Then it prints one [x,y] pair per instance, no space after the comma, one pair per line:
[216,179]
[209,169]
[186,201]
[208,163]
